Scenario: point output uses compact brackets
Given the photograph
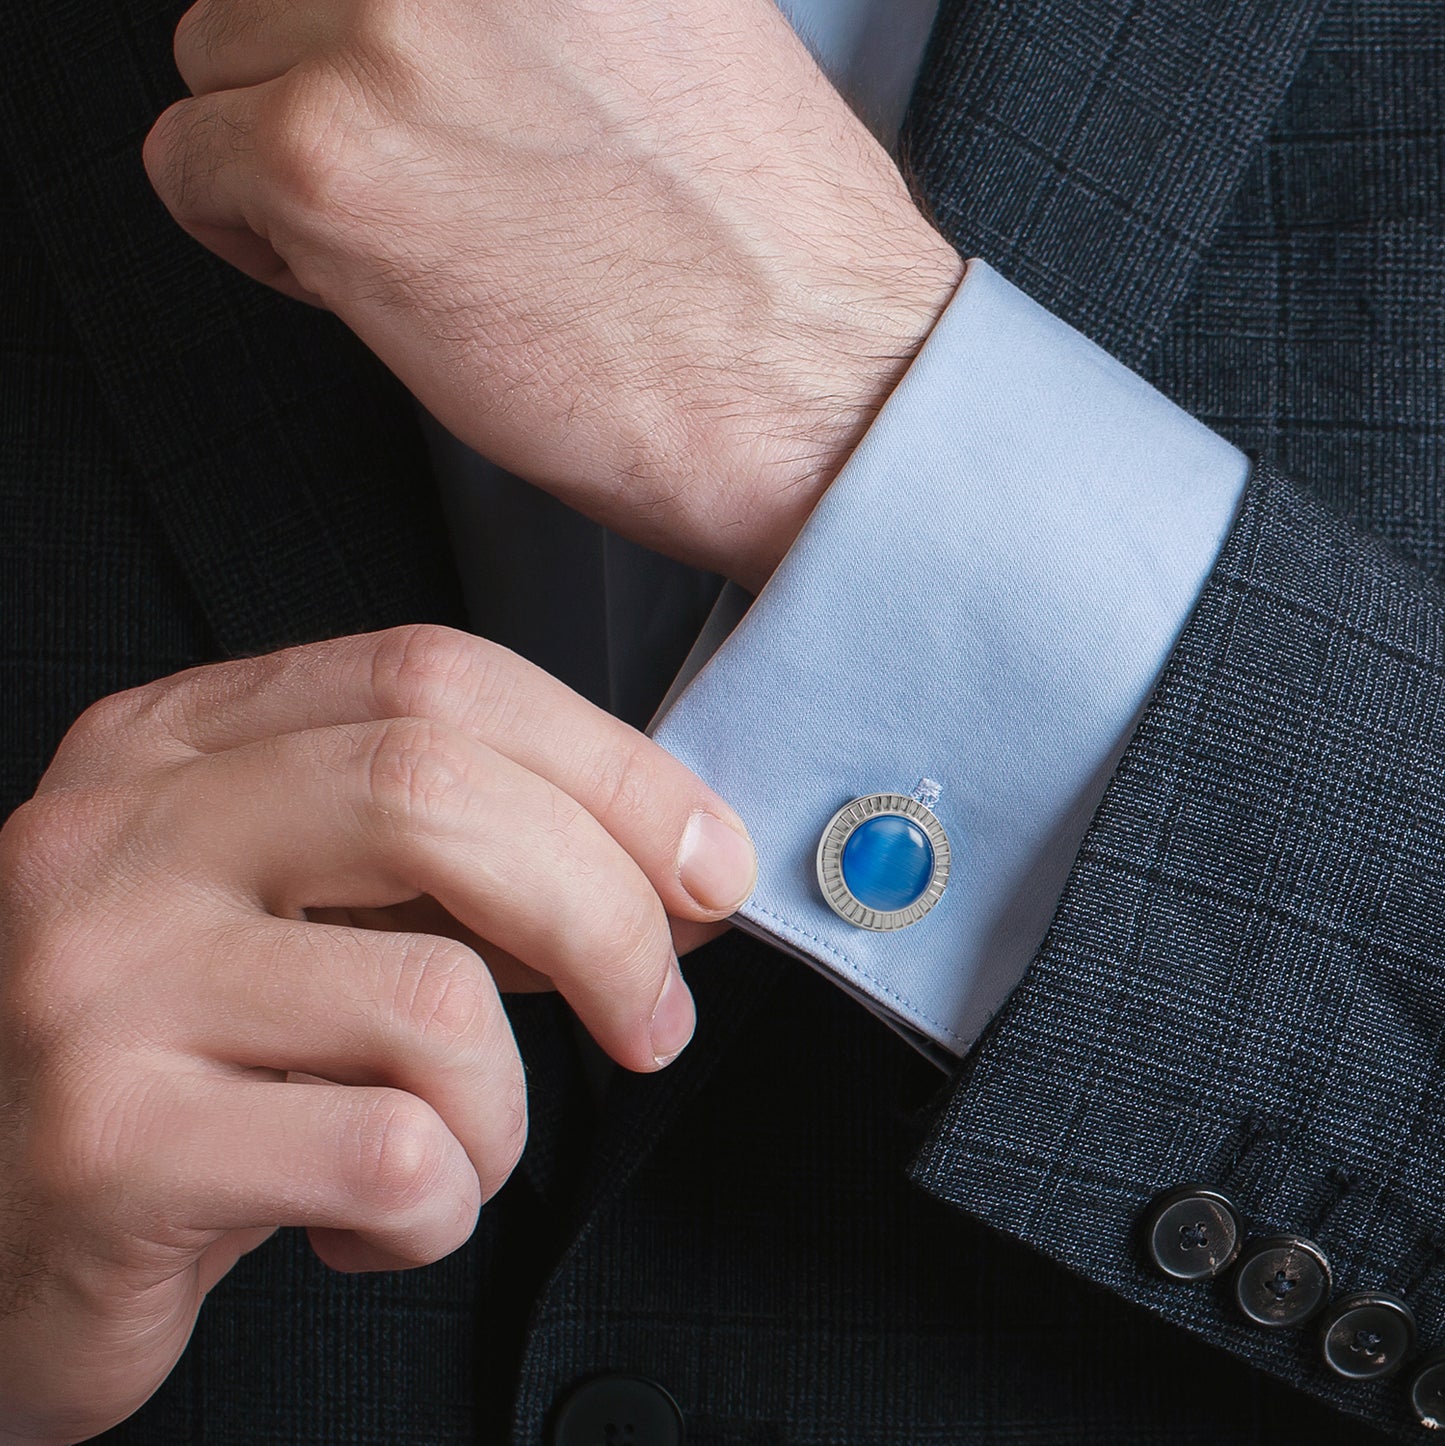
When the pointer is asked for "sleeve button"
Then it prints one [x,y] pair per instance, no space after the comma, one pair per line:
[1427,1392]
[1367,1335]
[1192,1233]
[1281,1281]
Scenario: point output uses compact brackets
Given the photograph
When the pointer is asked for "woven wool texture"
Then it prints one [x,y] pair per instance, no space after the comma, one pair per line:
[801,1229]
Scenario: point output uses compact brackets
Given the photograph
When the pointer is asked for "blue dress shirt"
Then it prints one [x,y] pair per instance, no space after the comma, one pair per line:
[980,604]
[982,600]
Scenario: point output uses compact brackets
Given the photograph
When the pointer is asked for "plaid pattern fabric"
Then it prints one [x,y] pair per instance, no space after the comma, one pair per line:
[1250,942]
[799,1229]
[1088,148]
[1261,1014]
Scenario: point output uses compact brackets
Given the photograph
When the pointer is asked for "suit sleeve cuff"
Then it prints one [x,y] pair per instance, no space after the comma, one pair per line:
[981,604]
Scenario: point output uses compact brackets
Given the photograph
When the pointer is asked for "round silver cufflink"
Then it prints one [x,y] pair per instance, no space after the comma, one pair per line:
[883,861]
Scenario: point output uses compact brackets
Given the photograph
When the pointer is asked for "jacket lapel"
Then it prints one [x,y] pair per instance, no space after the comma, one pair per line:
[1088,148]
[284,463]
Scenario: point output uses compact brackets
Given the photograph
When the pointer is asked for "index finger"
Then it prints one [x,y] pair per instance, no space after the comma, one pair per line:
[692,846]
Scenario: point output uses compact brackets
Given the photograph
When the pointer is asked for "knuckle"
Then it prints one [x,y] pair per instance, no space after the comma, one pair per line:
[305,142]
[443,994]
[415,772]
[195,35]
[180,706]
[392,53]
[401,1154]
[42,844]
[208,28]
[108,719]
[159,151]
[185,152]
[569,823]
[211,28]
[423,671]
[161,714]
[627,782]
[389,28]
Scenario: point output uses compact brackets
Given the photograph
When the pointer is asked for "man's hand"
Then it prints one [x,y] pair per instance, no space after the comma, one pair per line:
[164,969]
[640,253]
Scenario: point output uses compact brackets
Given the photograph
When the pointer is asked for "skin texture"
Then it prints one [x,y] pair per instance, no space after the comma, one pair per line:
[219,1014]
[254,925]
[637,251]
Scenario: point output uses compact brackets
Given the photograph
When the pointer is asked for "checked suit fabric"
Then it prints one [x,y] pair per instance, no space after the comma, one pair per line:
[801,1229]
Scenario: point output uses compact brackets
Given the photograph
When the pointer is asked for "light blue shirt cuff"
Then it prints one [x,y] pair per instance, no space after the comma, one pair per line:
[984,597]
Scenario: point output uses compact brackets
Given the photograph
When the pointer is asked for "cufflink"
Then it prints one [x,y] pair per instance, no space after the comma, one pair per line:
[883,861]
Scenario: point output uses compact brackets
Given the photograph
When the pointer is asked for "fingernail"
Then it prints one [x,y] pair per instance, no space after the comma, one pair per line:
[716,864]
[673,1020]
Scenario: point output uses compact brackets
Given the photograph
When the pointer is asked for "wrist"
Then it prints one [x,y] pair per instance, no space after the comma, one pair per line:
[772,445]
[845,376]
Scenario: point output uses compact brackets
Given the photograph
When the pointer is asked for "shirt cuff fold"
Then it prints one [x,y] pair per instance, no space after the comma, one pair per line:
[982,599]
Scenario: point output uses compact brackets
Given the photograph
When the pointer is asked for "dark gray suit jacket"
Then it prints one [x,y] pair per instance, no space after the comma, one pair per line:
[800,1229]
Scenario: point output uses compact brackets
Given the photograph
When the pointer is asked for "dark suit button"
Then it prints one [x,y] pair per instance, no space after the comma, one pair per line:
[1367,1335]
[1282,1280]
[618,1410]
[1192,1233]
[1427,1392]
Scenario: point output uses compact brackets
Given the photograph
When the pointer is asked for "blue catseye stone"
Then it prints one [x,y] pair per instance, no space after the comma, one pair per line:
[887,862]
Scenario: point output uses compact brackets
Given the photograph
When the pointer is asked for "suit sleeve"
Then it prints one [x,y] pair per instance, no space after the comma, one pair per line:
[1242,983]
[1237,979]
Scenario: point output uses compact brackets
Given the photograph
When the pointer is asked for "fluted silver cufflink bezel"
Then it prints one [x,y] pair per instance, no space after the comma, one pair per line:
[835,890]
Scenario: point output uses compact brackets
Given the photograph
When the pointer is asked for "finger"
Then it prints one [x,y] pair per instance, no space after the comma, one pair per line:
[343,1249]
[687,935]
[200,156]
[227,44]
[371,814]
[347,1251]
[693,848]
[414,1011]
[423,915]
[244,1154]
[255,257]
